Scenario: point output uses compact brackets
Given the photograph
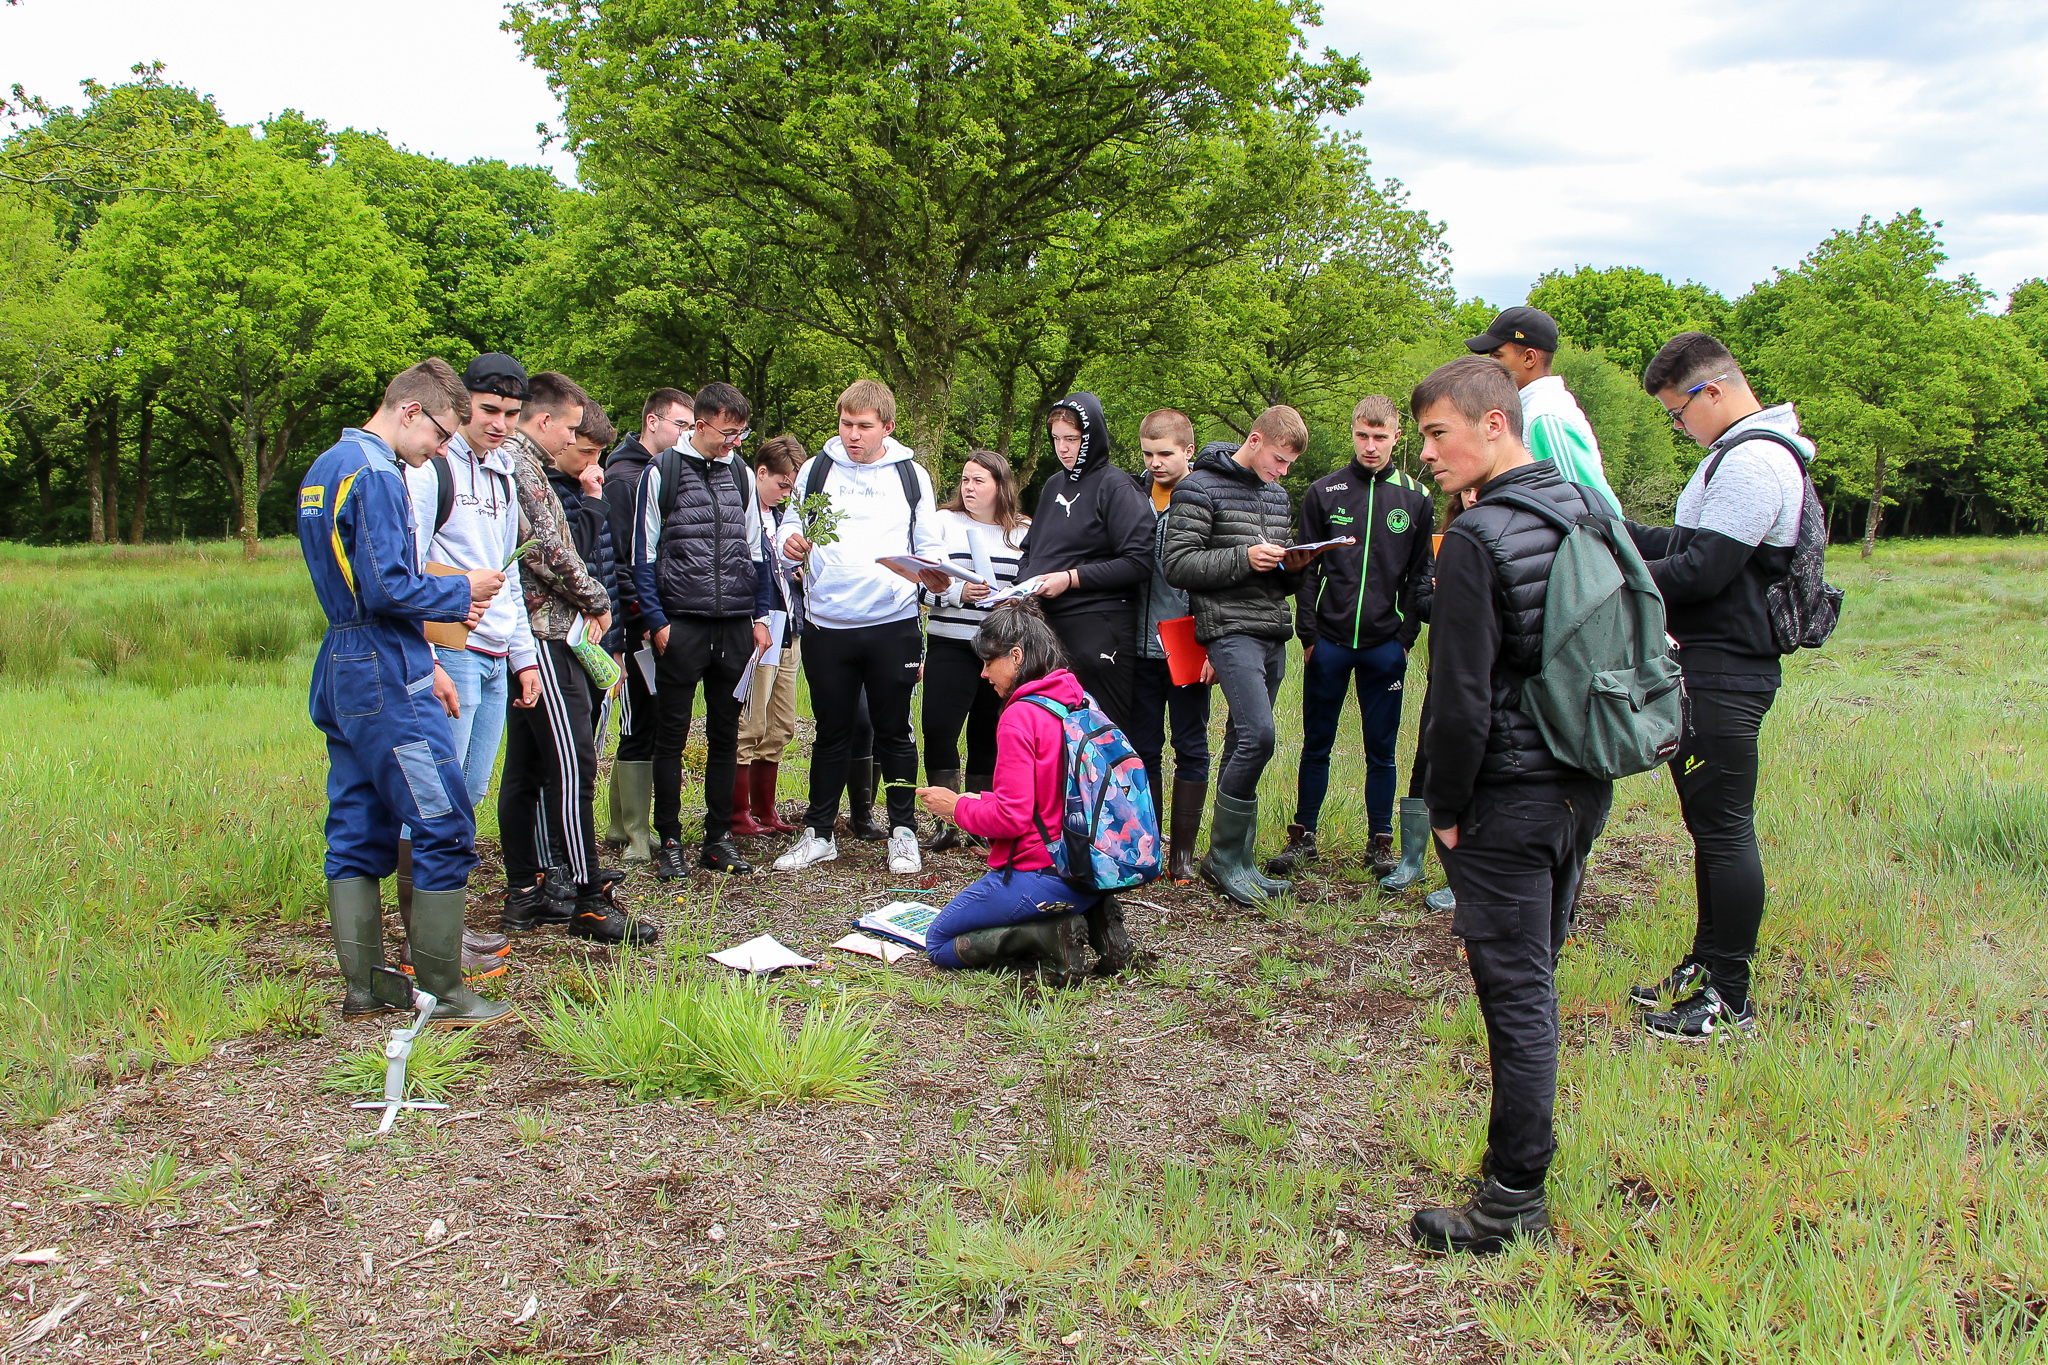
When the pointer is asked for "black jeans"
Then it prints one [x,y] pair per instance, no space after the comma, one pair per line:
[1715,773]
[637,718]
[1521,850]
[1249,670]
[1157,704]
[1102,649]
[550,774]
[839,665]
[956,694]
[712,651]
[1332,668]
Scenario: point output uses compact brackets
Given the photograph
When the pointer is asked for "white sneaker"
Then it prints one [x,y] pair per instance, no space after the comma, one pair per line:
[903,854]
[809,849]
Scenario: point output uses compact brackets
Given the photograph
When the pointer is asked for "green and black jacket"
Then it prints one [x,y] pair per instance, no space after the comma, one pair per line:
[1377,590]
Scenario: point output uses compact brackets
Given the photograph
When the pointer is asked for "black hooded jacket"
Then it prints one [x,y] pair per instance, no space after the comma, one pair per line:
[623,469]
[1092,518]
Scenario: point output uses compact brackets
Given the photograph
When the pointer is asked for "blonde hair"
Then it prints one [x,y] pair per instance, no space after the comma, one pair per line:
[1376,410]
[1282,426]
[434,385]
[870,395]
[1167,424]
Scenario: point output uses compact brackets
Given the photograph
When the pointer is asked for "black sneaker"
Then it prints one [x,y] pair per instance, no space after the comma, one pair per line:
[719,855]
[668,862]
[531,907]
[600,919]
[1698,1018]
[1686,976]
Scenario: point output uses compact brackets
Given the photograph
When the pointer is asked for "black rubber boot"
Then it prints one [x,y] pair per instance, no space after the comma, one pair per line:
[600,919]
[355,912]
[860,802]
[948,836]
[437,962]
[1107,935]
[1056,948]
[1186,826]
[1414,845]
[719,855]
[528,908]
[1299,853]
[1492,1218]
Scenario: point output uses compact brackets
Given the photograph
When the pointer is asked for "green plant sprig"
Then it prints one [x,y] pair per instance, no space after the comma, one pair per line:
[819,518]
[520,553]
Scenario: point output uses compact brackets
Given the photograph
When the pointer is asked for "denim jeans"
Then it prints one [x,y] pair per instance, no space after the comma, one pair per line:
[998,899]
[1249,670]
[1331,667]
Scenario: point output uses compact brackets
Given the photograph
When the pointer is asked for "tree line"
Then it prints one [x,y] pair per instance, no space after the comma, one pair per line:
[988,209]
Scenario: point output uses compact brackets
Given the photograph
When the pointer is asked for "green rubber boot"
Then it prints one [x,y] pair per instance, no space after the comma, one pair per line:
[1414,845]
[633,784]
[437,962]
[355,911]
[1227,866]
[1271,886]
[1056,947]
[615,830]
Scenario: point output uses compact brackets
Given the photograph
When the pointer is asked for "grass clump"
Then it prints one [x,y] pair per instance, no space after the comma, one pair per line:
[673,1031]
[440,1063]
[156,1183]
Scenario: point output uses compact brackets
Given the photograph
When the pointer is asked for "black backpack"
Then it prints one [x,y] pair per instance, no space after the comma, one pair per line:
[1803,606]
[444,492]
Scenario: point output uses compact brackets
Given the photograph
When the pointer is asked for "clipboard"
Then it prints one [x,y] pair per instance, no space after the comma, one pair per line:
[447,634]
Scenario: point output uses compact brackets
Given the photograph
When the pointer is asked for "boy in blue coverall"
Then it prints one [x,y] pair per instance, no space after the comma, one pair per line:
[391,759]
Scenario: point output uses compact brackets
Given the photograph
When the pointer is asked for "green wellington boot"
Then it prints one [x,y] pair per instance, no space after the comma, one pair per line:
[948,836]
[355,911]
[437,962]
[1271,886]
[1226,866]
[633,784]
[1108,936]
[1057,948]
[615,829]
[1414,845]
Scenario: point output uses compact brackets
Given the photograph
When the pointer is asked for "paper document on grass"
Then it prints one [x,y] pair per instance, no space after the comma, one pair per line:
[910,566]
[904,921]
[760,955]
[886,949]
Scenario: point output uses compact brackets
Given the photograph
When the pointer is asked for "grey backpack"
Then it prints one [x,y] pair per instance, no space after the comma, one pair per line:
[1608,696]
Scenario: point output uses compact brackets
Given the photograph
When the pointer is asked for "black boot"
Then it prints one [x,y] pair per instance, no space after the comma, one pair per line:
[600,919]
[1186,824]
[528,908]
[1299,853]
[1489,1221]
[719,855]
[860,802]
[1056,948]
[1108,937]
[1382,854]
[948,836]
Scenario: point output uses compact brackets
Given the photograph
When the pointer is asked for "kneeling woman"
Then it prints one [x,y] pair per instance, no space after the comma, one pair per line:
[1021,913]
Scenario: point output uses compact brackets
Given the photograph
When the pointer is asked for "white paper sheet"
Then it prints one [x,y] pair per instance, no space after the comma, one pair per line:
[1326,544]
[744,690]
[911,565]
[643,659]
[890,952]
[1024,589]
[760,955]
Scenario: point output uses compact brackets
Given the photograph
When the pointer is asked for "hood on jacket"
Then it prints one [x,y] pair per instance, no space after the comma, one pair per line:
[893,451]
[1220,457]
[1781,419]
[1060,685]
[629,449]
[1094,432]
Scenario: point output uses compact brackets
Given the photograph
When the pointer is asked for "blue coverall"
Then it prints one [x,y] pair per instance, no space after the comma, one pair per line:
[390,758]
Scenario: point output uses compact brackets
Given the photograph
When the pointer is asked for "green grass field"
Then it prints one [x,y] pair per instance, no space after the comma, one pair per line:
[1864,1182]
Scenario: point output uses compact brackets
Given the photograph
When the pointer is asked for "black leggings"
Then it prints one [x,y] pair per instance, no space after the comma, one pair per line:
[1102,651]
[839,665]
[955,693]
[1715,773]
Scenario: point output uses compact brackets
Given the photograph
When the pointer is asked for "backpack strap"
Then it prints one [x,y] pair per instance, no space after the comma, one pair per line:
[444,492]
[669,466]
[1777,438]
[1529,502]
[814,482]
[906,470]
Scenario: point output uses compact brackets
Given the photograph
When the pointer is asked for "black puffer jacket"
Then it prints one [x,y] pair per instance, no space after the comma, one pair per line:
[591,528]
[1218,512]
[704,561]
[622,471]
[1486,638]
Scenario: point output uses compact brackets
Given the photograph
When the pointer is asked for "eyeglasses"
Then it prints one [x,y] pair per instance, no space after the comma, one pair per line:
[1677,415]
[732,437]
[675,422]
[446,435]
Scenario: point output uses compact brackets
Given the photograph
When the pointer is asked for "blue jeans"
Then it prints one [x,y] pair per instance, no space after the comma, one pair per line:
[484,686]
[1378,671]
[1001,898]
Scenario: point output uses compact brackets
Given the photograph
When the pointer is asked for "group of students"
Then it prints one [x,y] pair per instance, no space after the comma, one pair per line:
[683,552]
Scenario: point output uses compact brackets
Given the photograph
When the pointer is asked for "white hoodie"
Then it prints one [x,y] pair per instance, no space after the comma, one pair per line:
[482,532]
[846,587]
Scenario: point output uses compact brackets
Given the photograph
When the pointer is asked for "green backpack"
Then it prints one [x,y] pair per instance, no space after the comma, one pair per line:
[1609,697]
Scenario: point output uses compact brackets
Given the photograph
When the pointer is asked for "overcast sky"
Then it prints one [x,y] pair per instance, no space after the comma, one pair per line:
[1706,139]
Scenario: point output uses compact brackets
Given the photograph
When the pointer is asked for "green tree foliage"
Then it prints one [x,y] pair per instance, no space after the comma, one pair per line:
[257,300]
[897,170]
[1889,363]
[49,322]
[1634,433]
[1625,311]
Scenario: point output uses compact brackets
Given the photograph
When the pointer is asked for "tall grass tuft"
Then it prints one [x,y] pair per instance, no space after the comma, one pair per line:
[31,640]
[674,1031]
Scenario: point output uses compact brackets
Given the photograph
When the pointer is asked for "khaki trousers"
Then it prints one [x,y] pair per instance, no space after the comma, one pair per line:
[769,721]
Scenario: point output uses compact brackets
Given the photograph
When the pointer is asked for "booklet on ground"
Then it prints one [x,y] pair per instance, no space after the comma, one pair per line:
[904,921]
[887,949]
[760,956]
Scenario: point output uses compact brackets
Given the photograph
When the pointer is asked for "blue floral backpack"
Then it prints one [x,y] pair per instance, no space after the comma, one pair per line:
[1110,832]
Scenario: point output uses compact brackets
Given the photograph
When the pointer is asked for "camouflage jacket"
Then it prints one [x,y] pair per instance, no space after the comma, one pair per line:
[553,574]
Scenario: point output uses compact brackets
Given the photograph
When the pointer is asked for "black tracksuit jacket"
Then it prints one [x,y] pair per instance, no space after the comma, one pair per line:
[1377,590]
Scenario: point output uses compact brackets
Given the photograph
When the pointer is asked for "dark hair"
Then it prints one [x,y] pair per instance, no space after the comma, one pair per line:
[661,400]
[1687,359]
[595,426]
[1019,624]
[554,394]
[718,399]
[434,385]
[1009,506]
[1473,385]
[781,455]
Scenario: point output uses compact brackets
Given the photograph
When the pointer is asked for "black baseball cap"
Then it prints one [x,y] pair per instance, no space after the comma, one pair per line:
[1524,326]
[496,373]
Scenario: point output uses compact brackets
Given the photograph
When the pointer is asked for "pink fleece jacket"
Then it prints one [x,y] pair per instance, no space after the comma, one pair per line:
[1028,744]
